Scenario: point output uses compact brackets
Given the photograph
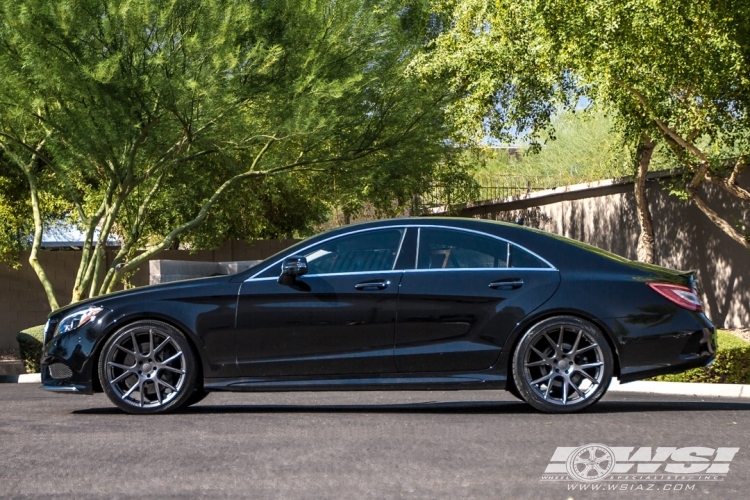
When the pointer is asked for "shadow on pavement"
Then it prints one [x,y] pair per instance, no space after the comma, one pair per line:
[471,407]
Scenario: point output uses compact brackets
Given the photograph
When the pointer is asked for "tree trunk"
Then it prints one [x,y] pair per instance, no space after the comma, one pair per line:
[37,242]
[645,249]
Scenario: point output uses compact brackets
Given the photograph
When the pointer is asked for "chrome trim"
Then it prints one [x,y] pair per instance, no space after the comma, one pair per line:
[398,252]
[329,239]
[495,237]
[494,269]
[416,257]
[416,263]
[63,388]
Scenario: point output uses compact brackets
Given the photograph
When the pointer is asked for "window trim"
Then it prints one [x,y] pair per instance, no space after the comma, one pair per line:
[418,227]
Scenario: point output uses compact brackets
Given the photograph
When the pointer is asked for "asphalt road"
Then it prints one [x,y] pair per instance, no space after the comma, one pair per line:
[346,445]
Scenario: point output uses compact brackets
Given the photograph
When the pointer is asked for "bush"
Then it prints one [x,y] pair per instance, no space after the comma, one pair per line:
[31,342]
[731,366]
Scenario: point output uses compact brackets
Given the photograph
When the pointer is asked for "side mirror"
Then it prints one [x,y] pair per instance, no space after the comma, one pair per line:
[292,267]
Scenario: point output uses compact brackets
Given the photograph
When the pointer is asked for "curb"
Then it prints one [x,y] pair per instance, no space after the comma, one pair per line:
[26,378]
[683,389]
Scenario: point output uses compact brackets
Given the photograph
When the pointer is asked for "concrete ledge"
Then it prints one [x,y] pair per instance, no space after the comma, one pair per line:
[683,389]
[26,378]
[13,367]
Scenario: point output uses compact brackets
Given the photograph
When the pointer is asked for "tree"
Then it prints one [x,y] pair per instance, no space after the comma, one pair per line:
[151,118]
[672,72]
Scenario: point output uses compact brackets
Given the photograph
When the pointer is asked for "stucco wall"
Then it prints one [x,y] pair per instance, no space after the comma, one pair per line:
[24,304]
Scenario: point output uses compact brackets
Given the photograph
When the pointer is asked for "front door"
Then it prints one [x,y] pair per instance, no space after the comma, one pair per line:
[468,292]
[338,319]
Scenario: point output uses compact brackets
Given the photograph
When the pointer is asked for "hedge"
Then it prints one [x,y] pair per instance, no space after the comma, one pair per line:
[731,366]
[31,342]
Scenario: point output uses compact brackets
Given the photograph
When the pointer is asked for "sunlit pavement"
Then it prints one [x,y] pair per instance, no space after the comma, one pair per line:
[477,444]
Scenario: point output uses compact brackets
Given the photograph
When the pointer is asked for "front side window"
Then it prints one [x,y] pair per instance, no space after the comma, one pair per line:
[451,249]
[361,252]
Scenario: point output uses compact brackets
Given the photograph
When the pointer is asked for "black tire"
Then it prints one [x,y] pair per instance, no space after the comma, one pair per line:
[159,381]
[510,386]
[196,397]
[562,365]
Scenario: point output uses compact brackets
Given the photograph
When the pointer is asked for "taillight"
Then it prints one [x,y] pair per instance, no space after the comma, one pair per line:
[680,295]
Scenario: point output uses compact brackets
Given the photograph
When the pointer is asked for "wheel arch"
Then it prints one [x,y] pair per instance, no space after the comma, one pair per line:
[129,320]
[511,343]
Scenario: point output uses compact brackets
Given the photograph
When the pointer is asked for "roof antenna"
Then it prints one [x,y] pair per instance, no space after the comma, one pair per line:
[520,221]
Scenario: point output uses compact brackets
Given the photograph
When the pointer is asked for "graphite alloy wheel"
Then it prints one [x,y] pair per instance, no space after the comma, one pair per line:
[148,367]
[562,364]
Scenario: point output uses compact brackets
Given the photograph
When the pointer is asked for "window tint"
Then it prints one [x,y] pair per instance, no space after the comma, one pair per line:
[361,252]
[449,249]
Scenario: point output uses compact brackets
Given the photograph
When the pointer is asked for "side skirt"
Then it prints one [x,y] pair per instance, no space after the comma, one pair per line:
[386,382]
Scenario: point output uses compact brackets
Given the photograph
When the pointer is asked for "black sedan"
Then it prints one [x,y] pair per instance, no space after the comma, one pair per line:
[405,304]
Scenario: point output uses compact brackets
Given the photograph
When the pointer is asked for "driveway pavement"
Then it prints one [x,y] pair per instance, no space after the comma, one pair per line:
[350,445]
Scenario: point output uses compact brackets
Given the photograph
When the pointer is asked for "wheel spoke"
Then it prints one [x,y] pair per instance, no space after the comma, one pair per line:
[590,365]
[551,342]
[592,379]
[158,392]
[543,362]
[560,339]
[142,384]
[150,342]
[133,388]
[578,390]
[549,376]
[574,349]
[587,348]
[165,384]
[118,346]
[171,369]
[122,376]
[161,346]
[167,361]
[565,391]
[121,367]
[136,349]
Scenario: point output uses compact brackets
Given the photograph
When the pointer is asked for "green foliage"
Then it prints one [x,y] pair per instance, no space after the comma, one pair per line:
[191,121]
[585,149]
[731,366]
[672,71]
[31,343]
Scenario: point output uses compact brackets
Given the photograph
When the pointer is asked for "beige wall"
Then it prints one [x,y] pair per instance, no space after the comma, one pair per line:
[603,214]
[24,304]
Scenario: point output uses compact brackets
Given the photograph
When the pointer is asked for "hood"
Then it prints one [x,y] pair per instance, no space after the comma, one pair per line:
[102,300]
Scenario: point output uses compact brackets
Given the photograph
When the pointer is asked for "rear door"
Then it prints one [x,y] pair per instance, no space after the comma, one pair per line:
[467,293]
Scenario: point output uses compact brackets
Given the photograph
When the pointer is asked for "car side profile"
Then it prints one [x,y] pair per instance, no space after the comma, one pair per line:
[402,304]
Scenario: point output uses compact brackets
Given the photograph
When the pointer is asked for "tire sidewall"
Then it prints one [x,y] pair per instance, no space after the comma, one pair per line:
[527,391]
[190,367]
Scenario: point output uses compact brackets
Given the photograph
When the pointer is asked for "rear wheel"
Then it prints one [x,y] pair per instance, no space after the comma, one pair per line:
[148,367]
[562,364]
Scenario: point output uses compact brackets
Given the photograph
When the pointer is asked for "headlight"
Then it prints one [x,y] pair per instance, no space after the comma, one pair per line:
[77,319]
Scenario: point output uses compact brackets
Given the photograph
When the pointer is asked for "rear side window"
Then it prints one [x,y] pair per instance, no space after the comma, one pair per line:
[453,249]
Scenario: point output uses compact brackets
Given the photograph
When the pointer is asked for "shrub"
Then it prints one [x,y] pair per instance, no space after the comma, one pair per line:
[31,342]
[731,366]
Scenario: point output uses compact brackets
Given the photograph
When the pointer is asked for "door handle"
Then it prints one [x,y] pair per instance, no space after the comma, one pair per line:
[510,283]
[373,285]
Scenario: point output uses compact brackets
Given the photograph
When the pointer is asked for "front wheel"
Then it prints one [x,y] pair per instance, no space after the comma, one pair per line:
[148,367]
[563,364]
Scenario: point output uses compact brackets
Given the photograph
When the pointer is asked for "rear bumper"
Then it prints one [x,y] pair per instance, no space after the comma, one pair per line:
[687,340]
